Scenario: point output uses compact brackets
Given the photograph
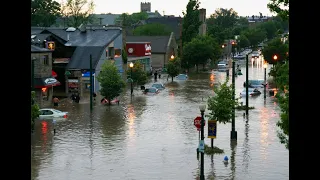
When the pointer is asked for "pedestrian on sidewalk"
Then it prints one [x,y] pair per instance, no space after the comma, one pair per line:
[55,102]
[77,98]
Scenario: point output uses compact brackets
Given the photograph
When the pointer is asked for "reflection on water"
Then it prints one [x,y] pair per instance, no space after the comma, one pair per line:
[153,137]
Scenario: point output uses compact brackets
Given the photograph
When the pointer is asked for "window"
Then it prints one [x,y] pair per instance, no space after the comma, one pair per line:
[110,52]
[117,52]
[45,60]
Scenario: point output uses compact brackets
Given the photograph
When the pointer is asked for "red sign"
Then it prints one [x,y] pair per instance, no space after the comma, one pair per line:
[197,122]
[138,49]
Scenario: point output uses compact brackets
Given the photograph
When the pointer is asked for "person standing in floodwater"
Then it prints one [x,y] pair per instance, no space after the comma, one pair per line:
[55,102]
[155,75]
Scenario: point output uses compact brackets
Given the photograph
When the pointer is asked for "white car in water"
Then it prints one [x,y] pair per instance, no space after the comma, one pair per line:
[50,113]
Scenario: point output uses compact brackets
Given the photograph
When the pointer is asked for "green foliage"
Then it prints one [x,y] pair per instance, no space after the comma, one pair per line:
[270,28]
[221,104]
[139,76]
[124,54]
[34,109]
[191,22]
[281,7]
[44,12]
[215,150]
[275,47]
[282,81]
[243,107]
[154,29]
[128,20]
[78,12]
[173,68]
[199,50]
[255,36]
[110,81]
[225,18]
[243,41]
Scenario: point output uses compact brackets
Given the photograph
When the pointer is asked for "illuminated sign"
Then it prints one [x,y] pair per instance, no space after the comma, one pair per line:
[50,45]
[148,49]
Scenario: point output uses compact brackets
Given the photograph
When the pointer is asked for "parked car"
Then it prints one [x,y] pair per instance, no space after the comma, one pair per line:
[151,91]
[259,83]
[159,86]
[223,66]
[49,113]
[255,54]
[182,77]
[251,91]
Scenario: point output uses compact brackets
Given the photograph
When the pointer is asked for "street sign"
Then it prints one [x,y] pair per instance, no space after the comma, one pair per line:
[201,146]
[212,129]
[197,122]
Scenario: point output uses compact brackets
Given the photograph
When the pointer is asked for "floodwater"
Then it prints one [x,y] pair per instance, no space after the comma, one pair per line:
[153,137]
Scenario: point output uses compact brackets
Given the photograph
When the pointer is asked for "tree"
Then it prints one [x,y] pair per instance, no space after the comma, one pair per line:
[275,47]
[153,29]
[221,104]
[243,41]
[191,22]
[270,28]
[173,67]
[255,36]
[199,50]
[139,76]
[281,7]
[124,54]
[44,12]
[34,110]
[128,20]
[110,81]
[225,18]
[78,12]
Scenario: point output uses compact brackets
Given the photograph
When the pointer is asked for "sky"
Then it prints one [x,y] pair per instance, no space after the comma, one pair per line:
[175,7]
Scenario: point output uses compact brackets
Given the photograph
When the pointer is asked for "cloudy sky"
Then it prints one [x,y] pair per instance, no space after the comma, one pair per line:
[175,7]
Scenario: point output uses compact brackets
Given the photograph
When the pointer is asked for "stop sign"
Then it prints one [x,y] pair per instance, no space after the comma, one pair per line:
[197,122]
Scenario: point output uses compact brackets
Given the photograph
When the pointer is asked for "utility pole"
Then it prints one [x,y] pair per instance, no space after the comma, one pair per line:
[91,84]
[247,85]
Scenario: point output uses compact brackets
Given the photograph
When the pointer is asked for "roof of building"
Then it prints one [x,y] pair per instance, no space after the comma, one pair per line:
[171,22]
[81,57]
[36,49]
[158,43]
[107,19]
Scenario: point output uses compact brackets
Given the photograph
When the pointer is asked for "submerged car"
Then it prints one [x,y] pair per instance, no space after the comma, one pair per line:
[49,113]
[182,77]
[159,86]
[259,83]
[251,92]
[151,91]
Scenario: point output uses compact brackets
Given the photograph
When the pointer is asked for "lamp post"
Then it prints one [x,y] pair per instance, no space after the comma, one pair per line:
[131,66]
[247,85]
[275,57]
[172,57]
[202,109]
[233,131]
[265,65]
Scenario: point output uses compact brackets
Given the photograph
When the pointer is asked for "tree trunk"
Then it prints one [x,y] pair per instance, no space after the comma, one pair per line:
[171,78]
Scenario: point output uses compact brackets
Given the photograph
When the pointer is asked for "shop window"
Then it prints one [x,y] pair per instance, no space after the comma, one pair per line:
[117,52]
[45,60]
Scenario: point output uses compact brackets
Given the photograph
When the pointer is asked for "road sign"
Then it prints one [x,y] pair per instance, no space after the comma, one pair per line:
[197,122]
[201,146]
[212,129]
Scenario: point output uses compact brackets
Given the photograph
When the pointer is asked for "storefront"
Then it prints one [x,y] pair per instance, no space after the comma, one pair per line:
[86,81]
[140,52]
[44,90]
[73,85]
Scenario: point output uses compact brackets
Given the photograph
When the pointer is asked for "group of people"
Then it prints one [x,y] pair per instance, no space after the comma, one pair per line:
[75,97]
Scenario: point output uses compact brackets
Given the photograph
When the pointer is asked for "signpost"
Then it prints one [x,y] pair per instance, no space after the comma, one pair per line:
[201,146]
[197,123]
[212,130]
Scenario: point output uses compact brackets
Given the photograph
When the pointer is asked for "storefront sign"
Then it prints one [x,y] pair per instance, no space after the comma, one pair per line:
[73,83]
[212,129]
[50,45]
[50,81]
[138,49]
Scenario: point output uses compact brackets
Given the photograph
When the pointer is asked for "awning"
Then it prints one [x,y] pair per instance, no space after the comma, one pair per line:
[54,74]
[46,82]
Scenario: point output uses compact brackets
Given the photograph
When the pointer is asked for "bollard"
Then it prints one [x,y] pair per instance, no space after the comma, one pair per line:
[225,159]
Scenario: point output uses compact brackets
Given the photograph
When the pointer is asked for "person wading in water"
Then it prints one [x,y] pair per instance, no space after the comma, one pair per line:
[55,101]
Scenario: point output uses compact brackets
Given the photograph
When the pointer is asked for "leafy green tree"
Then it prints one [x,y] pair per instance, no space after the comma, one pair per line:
[127,20]
[191,22]
[221,104]
[173,67]
[275,47]
[110,81]
[139,76]
[78,12]
[225,18]
[243,41]
[34,110]
[153,29]
[200,49]
[124,54]
[44,12]
[255,36]
[270,28]
[281,7]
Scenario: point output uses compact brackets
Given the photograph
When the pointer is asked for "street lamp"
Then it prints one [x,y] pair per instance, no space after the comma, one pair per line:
[222,46]
[131,66]
[202,109]
[233,131]
[172,57]
[265,65]
[275,57]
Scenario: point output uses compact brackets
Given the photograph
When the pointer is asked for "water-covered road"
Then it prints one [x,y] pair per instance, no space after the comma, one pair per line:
[153,137]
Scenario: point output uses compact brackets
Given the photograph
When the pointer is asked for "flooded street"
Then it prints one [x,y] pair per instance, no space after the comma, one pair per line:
[153,137]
